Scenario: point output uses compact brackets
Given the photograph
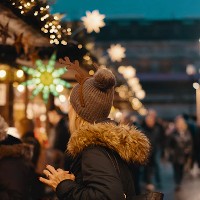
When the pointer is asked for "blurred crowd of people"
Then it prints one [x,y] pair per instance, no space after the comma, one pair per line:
[22,160]
[177,142]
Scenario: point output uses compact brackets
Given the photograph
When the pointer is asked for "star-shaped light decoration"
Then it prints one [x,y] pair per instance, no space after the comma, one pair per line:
[45,78]
[116,52]
[93,21]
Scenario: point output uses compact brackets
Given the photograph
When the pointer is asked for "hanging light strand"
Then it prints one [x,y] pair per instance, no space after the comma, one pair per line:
[49,24]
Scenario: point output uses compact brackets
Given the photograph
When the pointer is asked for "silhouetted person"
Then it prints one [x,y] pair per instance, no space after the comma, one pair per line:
[61,133]
[59,120]
[16,171]
[180,144]
[153,132]
[25,129]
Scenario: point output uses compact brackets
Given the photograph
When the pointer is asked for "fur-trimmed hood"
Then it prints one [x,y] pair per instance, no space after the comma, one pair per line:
[128,142]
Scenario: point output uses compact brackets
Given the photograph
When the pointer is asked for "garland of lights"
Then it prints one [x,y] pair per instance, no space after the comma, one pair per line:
[49,24]
[46,79]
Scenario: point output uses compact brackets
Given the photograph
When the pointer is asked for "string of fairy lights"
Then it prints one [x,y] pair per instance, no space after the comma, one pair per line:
[50,24]
[133,90]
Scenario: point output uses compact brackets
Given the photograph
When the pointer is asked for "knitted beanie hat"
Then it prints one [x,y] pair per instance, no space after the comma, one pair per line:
[92,97]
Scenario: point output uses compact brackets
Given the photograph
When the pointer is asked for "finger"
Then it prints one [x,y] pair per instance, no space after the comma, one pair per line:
[47,173]
[45,181]
[51,169]
[59,170]
[72,177]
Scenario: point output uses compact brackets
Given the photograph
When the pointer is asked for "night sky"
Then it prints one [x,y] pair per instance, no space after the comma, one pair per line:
[146,9]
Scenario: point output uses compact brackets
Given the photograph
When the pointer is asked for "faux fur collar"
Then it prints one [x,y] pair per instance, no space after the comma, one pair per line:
[129,143]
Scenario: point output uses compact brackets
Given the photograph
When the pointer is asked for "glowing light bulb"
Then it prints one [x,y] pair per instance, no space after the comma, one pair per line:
[2,73]
[196,86]
[20,88]
[59,88]
[62,98]
[20,73]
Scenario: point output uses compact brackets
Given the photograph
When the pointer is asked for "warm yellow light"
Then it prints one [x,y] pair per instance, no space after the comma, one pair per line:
[133,81]
[121,69]
[52,36]
[43,118]
[59,88]
[15,84]
[142,111]
[20,88]
[56,41]
[137,87]
[2,73]
[118,114]
[140,94]
[93,21]
[20,73]
[91,72]
[116,52]
[62,98]
[136,104]
[63,42]
[196,86]
[89,46]
[80,46]
[129,72]
[86,57]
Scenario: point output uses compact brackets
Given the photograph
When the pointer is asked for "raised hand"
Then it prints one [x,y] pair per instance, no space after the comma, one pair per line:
[54,177]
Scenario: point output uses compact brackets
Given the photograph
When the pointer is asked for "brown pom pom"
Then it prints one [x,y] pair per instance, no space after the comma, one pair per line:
[104,79]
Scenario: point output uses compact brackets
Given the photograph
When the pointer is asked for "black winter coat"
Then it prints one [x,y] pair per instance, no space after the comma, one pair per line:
[180,147]
[16,173]
[96,175]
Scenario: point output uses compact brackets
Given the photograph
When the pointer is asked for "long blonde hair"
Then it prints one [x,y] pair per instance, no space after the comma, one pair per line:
[75,121]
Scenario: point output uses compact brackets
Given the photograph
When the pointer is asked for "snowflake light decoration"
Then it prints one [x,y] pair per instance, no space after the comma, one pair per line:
[116,52]
[93,21]
[45,78]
